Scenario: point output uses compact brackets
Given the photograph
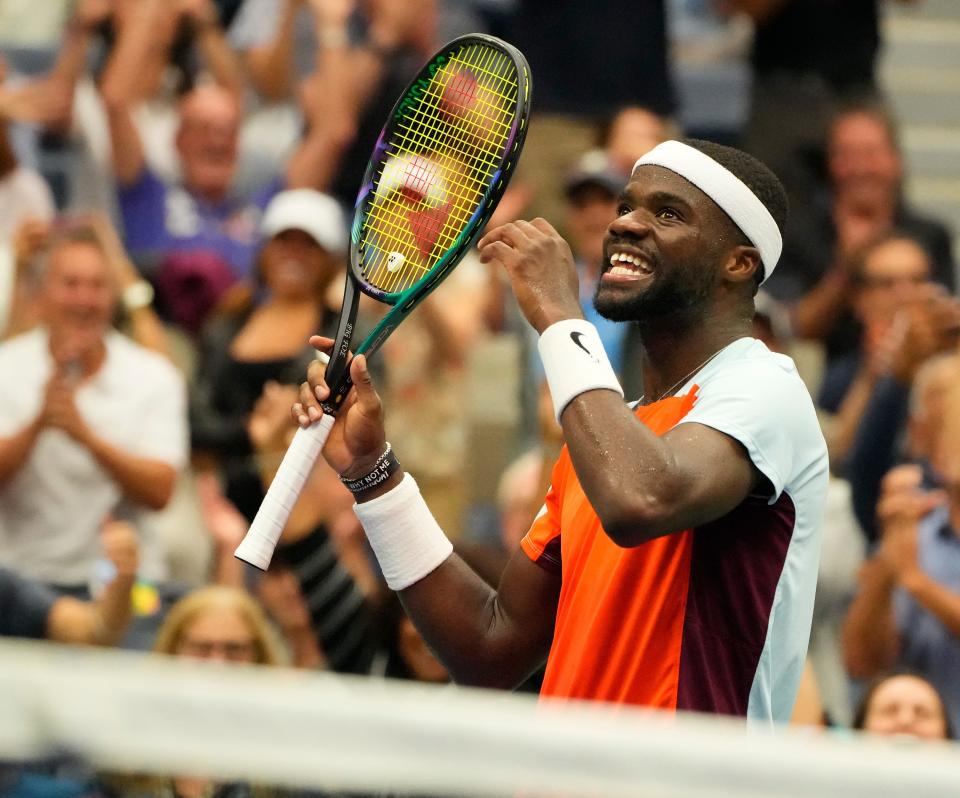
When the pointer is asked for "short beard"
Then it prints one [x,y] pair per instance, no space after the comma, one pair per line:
[679,304]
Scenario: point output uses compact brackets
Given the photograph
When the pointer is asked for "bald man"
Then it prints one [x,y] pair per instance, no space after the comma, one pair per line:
[199,235]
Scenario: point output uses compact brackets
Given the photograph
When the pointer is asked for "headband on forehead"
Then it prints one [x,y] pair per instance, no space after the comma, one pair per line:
[727,190]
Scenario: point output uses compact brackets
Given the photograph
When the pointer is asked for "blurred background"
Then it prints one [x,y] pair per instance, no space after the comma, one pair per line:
[176,185]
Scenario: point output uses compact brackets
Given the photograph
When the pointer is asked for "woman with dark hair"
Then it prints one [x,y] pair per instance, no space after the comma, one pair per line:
[904,704]
[262,338]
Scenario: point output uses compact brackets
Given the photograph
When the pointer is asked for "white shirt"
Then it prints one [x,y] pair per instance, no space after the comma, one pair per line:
[51,510]
[756,397]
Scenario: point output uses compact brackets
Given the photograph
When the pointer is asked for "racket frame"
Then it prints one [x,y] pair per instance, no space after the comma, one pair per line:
[265,531]
[337,374]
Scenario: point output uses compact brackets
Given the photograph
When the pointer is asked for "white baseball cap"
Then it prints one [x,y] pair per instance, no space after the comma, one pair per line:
[318,215]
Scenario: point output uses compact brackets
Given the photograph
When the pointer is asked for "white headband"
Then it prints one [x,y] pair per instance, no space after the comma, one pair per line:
[727,190]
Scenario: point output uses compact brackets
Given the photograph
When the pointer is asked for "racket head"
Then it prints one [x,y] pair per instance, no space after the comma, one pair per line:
[443,160]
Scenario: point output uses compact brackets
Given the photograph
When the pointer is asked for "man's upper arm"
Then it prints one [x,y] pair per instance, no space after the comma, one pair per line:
[767,411]
[719,473]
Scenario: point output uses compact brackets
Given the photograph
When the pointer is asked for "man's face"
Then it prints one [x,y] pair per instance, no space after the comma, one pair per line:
[78,297]
[889,279]
[662,252]
[905,705]
[207,141]
[590,210]
[863,161]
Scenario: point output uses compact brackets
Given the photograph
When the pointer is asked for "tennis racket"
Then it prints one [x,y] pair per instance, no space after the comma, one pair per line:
[439,168]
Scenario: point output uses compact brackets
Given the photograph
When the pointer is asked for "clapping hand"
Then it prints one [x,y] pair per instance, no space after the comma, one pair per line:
[903,503]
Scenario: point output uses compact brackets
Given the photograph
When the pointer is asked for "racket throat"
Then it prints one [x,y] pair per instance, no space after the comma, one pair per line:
[337,374]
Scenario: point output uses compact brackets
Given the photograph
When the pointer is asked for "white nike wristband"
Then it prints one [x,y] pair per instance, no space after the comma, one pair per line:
[404,535]
[575,361]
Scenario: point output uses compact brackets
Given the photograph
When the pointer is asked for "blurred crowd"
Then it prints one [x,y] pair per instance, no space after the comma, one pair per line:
[176,183]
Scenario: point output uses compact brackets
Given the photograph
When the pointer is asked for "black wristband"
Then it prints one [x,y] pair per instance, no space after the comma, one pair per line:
[386,466]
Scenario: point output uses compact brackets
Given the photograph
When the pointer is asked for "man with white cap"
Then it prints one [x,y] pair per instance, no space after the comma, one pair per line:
[674,561]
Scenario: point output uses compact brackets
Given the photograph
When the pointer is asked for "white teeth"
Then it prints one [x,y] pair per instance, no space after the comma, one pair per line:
[621,259]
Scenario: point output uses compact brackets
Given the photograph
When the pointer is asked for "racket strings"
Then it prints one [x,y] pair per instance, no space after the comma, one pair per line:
[440,161]
[423,129]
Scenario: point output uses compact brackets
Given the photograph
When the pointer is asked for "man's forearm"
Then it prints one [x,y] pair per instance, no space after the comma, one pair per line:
[220,59]
[143,480]
[815,315]
[136,56]
[72,60]
[466,623]
[869,636]
[935,598]
[113,611]
[271,66]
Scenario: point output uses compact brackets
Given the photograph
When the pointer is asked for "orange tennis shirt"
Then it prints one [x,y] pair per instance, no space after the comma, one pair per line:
[620,615]
[714,618]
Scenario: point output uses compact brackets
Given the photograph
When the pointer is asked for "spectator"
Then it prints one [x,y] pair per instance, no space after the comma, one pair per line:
[197,236]
[907,613]
[91,424]
[157,49]
[904,704]
[866,174]
[29,609]
[264,337]
[909,400]
[904,319]
[631,132]
[219,625]
[320,588]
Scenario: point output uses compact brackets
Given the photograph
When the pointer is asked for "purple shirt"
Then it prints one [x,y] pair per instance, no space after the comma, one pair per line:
[160,219]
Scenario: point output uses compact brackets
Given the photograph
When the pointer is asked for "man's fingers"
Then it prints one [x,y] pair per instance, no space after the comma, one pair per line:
[509,233]
[316,378]
[543,226]
[307,401]
[367,396]
[498,250]
[321,343]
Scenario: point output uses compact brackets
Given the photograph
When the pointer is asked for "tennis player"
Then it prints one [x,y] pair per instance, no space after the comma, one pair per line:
[674,561]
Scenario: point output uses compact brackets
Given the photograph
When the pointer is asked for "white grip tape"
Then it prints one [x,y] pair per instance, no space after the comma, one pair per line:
[574,361]
[261,539]
[404,535]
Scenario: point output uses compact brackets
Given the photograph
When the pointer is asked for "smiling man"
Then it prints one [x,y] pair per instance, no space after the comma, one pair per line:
[674,561]
[92,425]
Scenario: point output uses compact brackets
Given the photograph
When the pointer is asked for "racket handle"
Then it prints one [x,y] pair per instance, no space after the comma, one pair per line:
[261,539]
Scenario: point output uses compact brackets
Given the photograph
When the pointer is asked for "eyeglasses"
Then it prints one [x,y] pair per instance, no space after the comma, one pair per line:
[886,283]
[232,650]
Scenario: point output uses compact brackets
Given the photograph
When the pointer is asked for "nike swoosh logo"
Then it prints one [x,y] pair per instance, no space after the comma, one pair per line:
[575,337]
